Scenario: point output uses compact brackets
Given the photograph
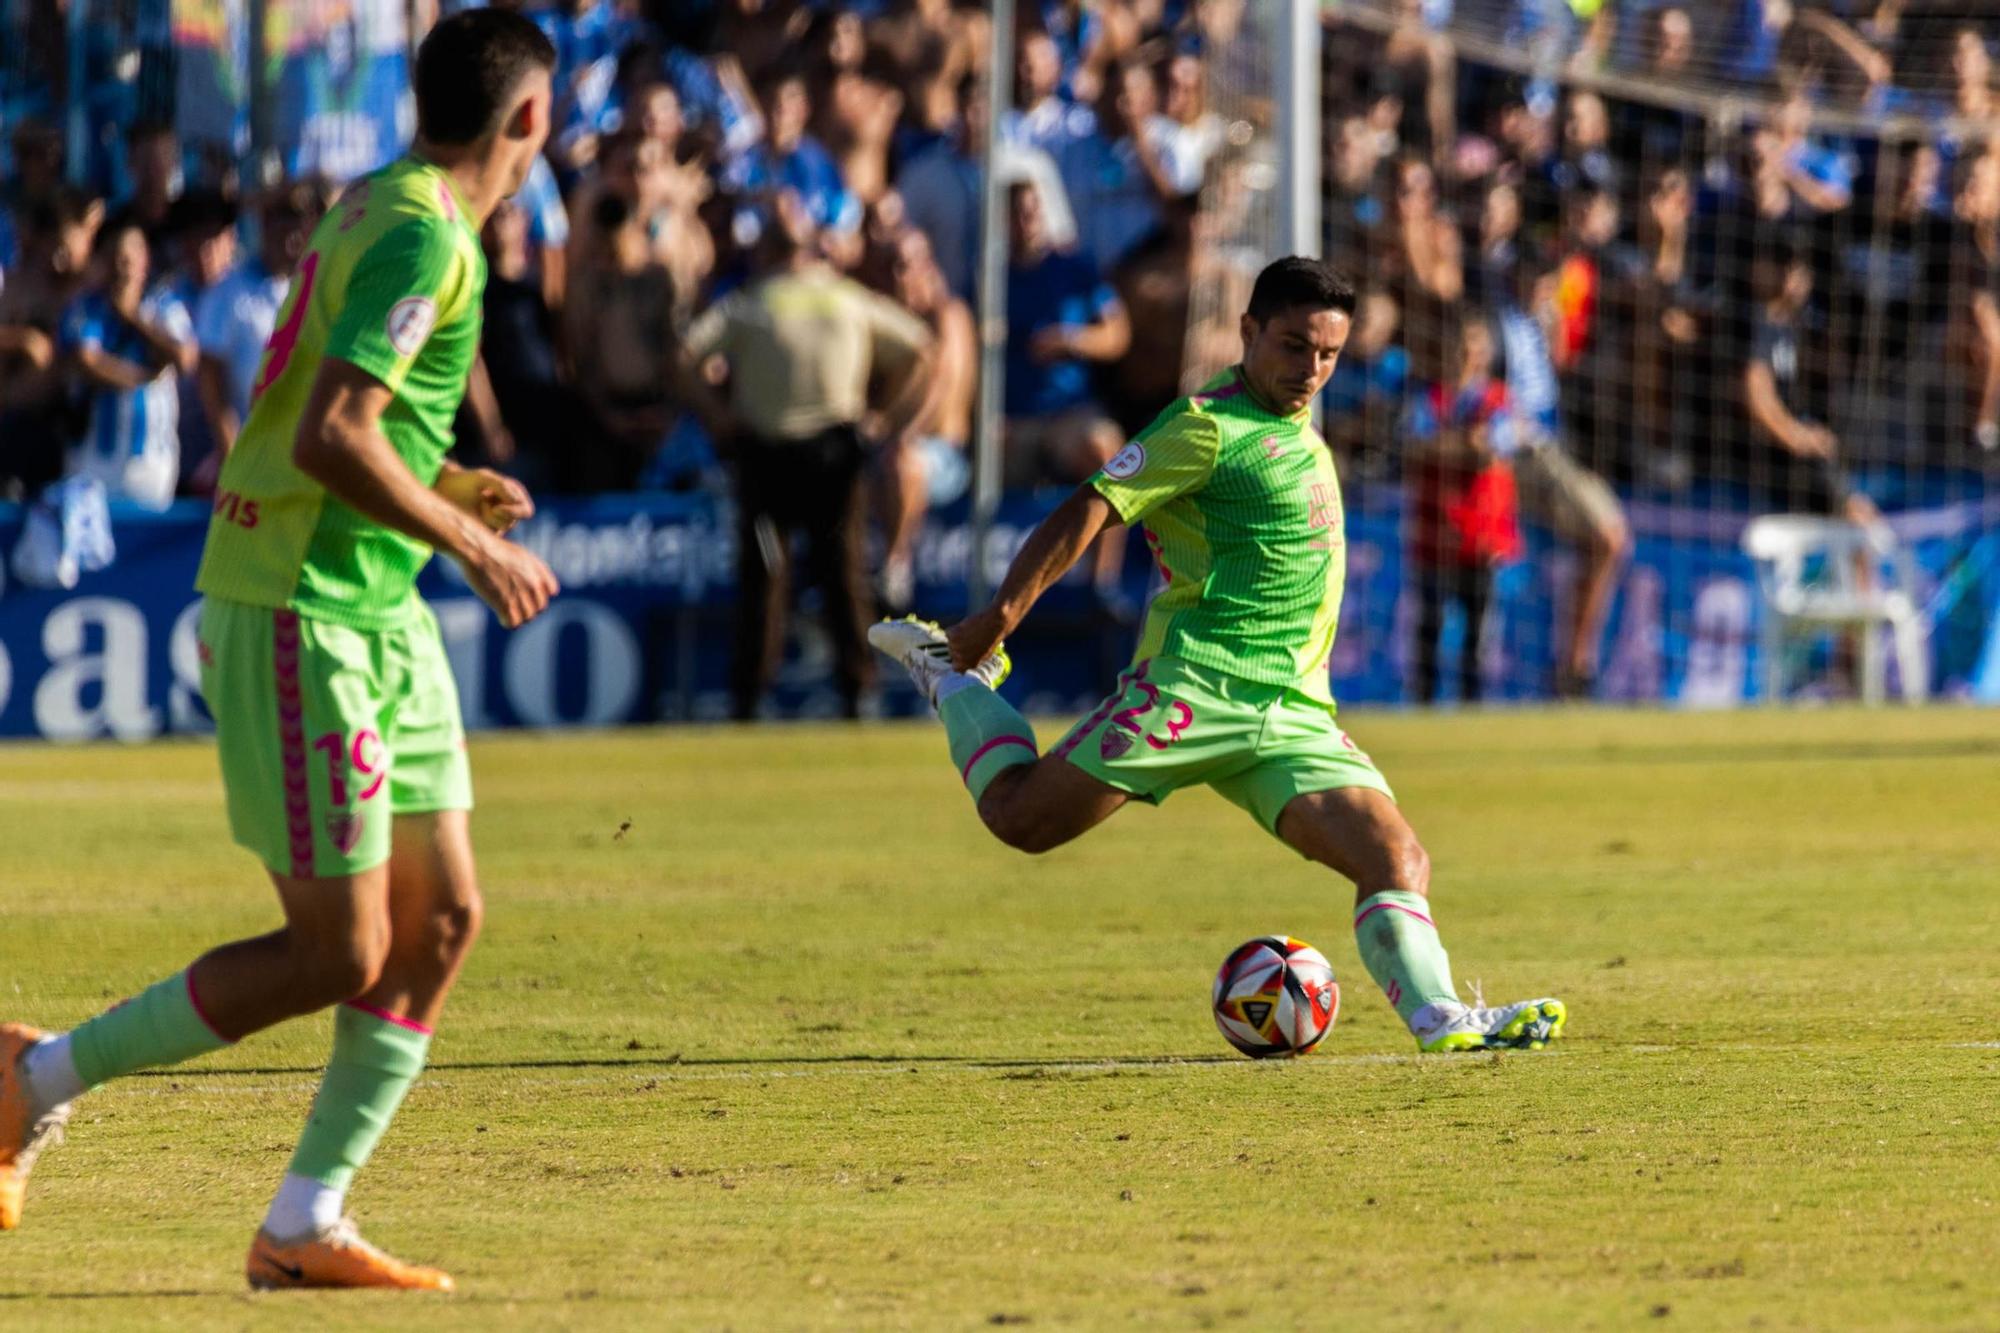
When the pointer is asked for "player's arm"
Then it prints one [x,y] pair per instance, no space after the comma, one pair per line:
[1055,545]
[340,445]
[1168,460]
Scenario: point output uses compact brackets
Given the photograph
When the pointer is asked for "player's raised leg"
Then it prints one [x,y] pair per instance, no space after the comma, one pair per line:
[1030,801]
[332,946]
[1360,833]
[381,1039]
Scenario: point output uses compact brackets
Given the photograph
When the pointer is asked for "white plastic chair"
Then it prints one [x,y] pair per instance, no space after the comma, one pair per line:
[1859,577]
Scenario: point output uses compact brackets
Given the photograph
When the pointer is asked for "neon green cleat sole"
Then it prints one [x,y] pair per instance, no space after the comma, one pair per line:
[1528,1026]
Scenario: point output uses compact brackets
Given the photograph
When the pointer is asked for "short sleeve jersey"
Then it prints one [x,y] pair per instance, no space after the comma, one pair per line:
[390,282]
[1241,508]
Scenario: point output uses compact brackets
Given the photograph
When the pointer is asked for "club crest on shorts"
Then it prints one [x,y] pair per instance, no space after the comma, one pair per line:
[1114,742]
[1126,462]
[344,831]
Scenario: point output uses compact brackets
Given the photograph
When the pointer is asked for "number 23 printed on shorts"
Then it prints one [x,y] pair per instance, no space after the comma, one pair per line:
[1145,720]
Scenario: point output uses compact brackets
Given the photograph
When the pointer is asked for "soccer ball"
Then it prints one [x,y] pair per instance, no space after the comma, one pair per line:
[1275,996]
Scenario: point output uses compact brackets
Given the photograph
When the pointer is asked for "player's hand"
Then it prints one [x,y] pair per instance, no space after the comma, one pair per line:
[496,500]
[512,580]
[974,638]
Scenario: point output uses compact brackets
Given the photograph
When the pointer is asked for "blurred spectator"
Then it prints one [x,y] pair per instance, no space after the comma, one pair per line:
[153,167]
[855,102]
[1062,319]
[926,465]
[1156,285]
[1462,505]
[1556,490]
[1419,255]
[203,226]
[1796,458]
[791,159]
[1353,207]
[1964,283]
[125,346]
[233,319]
[940,191]
[1586,161]
[802,345]
[552,425]
[33,182]
[1363,403]
[1189,133]
[619,328]
[56,242]
[1821,176]
[1120,173]
[931,46]
[1041,116]
[661,199]
[541,203]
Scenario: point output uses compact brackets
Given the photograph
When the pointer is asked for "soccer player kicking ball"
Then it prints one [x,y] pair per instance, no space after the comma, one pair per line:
[335,710]
[1229,686]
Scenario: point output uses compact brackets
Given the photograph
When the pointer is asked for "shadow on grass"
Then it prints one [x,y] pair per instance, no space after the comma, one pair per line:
[674,1060]
[111,1295]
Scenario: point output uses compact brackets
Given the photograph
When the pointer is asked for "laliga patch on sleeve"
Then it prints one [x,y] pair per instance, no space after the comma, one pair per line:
[1126,462]
[409,323]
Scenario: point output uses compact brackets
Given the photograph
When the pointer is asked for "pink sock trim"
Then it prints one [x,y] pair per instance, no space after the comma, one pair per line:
[965,774]
[1394,907]
[194,1003]
[408,1023]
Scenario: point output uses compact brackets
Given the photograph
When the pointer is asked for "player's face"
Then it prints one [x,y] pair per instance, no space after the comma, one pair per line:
[1289,357]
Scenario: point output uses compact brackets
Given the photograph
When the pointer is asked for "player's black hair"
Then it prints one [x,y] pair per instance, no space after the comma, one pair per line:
[1296,280]
[469,67]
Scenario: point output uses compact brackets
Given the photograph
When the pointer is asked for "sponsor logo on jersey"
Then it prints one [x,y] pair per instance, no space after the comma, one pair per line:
[1126,462]
[409,323]
[1113,743]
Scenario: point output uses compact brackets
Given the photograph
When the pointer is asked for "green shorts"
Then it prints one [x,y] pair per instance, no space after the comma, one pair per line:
[325,732]
[1170,724]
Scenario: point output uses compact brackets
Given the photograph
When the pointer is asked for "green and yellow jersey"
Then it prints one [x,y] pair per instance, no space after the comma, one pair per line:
[1241,508]
[391,281]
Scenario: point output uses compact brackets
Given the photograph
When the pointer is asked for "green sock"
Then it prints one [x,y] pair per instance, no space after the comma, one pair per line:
[1401,949]
[375,1060]
[161,1025]
[987,736]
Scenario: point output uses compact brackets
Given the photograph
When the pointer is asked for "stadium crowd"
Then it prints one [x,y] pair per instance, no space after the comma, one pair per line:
[754,236]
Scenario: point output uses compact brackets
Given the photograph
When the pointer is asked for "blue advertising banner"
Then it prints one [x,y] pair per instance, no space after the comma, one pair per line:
[642,632]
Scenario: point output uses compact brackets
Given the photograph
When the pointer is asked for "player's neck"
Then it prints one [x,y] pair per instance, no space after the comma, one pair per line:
[482,181]
[1257,395]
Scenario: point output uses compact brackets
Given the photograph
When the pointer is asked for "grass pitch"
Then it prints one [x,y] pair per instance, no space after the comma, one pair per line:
[765,1033]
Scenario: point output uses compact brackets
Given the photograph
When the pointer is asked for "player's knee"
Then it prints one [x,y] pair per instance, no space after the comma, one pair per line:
[455,927]
[338,970]
[1410,866]
[1016,826]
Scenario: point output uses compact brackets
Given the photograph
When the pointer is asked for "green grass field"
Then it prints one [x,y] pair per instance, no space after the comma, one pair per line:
[801,1048]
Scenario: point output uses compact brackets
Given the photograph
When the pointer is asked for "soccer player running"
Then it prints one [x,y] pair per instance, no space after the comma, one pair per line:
[335,710]
[1239,502]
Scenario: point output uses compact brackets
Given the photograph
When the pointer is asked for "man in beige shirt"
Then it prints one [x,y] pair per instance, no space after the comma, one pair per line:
[803,345]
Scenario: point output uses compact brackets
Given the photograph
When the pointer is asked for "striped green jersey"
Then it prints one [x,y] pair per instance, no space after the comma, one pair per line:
[391,282]
[1241,508]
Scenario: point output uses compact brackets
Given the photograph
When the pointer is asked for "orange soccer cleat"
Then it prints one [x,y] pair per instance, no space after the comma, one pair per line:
[23,1134]
[335,1257]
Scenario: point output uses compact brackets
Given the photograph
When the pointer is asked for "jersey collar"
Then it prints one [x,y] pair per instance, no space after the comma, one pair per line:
[1299,418]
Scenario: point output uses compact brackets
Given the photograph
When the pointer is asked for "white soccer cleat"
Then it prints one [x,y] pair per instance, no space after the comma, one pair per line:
[920,648]
[1527,1026]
